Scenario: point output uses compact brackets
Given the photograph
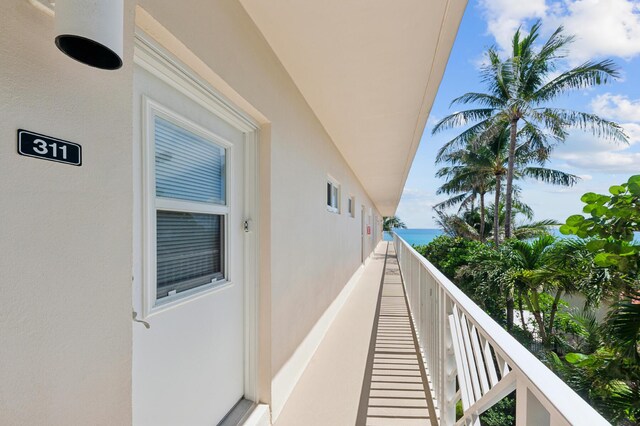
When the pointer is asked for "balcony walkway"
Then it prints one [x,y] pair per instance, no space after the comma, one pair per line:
[367,370]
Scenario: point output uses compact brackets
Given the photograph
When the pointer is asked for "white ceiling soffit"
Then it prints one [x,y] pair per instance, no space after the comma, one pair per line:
[370,70]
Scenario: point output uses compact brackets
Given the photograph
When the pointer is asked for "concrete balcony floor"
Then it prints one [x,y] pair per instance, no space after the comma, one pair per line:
[367,370]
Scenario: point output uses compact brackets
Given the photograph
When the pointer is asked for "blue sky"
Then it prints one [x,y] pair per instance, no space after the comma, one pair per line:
[603,29]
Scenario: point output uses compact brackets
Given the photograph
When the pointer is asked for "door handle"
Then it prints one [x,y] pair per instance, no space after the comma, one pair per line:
[135,319]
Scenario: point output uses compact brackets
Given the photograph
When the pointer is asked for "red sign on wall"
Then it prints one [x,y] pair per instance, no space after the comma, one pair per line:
[368,230]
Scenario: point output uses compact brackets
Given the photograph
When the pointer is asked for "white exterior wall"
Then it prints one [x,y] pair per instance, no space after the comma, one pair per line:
[313,252]
[65,232]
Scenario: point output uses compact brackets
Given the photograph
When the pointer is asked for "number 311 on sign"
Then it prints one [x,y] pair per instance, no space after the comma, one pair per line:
[31,144]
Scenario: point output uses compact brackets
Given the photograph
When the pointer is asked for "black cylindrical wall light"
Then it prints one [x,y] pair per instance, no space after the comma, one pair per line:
[91,31]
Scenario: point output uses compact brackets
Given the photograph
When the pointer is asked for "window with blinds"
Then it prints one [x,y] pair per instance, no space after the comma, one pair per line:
[351,203]
[190,177]
[333,197]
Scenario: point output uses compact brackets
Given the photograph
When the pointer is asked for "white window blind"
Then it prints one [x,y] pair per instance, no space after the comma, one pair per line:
[188,167]
[189,243]
[189,250]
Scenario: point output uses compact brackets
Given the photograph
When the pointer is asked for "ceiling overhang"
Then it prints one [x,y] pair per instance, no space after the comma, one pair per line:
[370,71]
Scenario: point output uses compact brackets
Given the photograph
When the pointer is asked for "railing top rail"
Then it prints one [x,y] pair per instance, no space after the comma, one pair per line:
[574,409]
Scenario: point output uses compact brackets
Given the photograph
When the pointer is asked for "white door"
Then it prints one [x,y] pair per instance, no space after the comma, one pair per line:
[188,367]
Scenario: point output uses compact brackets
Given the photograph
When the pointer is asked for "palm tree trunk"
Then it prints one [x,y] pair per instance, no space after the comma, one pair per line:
[510,308]
[521,309]
[496,213]
[552,316]
[537,315]
[482,217]
[534,307]
[510,167]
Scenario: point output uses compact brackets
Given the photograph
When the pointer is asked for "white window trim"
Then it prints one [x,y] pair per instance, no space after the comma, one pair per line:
[153,305]
[335,184]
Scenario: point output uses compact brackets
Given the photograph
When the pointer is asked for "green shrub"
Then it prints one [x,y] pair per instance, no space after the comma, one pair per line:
[448,254]
[501,414]
[475,267]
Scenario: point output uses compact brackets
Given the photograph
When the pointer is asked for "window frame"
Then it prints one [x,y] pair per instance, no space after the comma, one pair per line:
[351,206]
[334,184]
[153,203]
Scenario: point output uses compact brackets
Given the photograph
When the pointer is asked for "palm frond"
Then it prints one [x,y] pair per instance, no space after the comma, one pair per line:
[480,98]
[589,122]
[623,326]
[550,176]
[462,118]
[583,76]
[450,202]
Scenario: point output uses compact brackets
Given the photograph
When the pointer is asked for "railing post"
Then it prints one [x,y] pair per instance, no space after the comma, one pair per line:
[448,365]
[424,312]
[415,290]
[521,403]
[529,410]
[433,336]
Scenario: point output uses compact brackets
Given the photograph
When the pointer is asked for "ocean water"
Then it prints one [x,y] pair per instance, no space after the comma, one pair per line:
[415,236]
[425,236]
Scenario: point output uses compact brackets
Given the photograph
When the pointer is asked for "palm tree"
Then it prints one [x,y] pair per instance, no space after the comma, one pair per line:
[391,222]
[519,89]
[475,167]
[467,224]
[528,257]
[468,177]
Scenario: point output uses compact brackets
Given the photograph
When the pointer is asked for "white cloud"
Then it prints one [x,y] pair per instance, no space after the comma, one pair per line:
[633,132]
[616,107]
[613,162]
[603,28]
[505,16]
[416,208]
[582,142]
[589,154]
[621,109]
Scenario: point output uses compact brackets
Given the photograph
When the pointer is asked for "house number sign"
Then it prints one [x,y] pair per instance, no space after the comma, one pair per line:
[36,145]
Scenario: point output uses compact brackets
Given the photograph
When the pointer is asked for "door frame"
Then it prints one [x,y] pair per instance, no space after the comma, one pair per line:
[363,232]
[152,57]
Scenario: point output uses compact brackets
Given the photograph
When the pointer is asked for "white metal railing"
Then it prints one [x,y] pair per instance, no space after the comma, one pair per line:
[458,339]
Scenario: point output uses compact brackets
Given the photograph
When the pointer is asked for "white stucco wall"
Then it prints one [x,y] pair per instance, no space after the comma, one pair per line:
[65,233]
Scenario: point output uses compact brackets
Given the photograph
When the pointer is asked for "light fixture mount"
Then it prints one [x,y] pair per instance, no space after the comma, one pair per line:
[89,31]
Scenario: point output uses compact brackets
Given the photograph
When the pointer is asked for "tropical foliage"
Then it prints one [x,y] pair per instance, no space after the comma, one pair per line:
[599,359]
[477,169]
[516,106]
[391,222]
[614,219]
[467,224]
[606,371]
